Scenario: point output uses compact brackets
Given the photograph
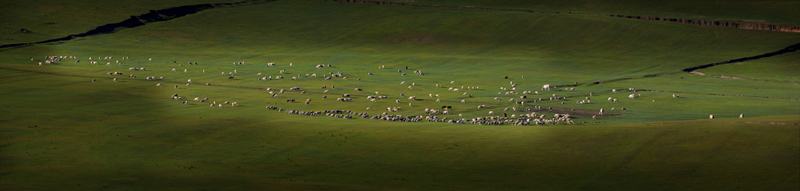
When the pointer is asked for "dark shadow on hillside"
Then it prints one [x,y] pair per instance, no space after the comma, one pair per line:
[788,49]
[140,20]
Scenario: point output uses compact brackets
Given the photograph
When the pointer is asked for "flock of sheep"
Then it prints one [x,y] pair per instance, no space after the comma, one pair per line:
[524,108]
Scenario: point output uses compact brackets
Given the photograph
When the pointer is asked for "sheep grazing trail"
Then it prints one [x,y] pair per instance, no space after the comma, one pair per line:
[740,78]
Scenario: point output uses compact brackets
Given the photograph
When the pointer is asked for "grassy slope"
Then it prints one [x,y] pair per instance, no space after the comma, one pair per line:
[778,68]
[772,12]
[64,132]
[48,20]
[103,142]
[450,42]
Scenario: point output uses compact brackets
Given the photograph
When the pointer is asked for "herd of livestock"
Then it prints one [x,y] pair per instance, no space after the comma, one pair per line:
[516,98]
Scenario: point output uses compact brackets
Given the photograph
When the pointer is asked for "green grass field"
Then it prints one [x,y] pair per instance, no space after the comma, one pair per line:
[61,131]
[773,12]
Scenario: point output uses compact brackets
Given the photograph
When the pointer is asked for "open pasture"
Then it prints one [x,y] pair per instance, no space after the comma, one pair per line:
[772,12]
[69,125]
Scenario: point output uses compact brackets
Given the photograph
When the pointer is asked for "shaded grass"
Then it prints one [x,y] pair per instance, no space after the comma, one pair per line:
[773,12]
[253,148]
[61,131]
[49,20]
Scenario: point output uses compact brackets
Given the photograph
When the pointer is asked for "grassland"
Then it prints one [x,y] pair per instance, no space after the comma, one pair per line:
[772,12]
[61,131]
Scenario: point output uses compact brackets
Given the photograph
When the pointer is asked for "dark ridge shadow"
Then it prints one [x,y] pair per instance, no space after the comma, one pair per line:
[140,20]
[788,49]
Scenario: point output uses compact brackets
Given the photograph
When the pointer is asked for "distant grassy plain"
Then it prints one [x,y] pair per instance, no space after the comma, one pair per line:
[60,131]
[772,12]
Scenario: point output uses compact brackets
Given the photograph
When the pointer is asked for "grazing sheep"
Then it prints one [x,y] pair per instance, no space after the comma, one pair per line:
[710,116]
[546,87]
